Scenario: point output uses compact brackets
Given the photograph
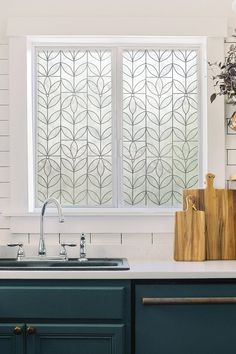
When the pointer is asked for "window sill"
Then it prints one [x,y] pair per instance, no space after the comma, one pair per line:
[98,212]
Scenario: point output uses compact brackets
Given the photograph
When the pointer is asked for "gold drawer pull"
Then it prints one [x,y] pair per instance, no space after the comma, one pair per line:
[187,300]
[17,330]
[31,330]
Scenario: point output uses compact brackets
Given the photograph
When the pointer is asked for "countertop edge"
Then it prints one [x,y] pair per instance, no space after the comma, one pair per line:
[139,270]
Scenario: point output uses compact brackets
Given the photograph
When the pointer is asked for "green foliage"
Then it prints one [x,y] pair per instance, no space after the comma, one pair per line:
[225,78]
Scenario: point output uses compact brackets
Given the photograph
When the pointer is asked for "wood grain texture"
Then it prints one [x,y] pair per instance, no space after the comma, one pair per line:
[190,243]
[220,211]
[187,300]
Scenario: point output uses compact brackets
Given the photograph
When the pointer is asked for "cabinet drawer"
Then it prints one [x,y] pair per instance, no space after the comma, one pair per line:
[185,318]
[78,302]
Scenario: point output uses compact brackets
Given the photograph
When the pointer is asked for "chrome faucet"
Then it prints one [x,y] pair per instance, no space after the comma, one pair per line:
[82,257]
[42,247]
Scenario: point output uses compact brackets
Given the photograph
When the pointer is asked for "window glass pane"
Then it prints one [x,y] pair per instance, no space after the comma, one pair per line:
[160,126]
[74,125]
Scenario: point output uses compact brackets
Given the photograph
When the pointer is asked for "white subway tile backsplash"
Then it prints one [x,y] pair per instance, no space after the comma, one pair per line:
[106,239]
[138,239]
[24,238]
[231,157]
[230,142]
[72,237]
[158,238]
[52,239]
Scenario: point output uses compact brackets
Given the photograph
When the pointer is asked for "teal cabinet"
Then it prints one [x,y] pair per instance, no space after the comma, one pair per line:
[202,324]
[74,339]
[12,338]
[65,317]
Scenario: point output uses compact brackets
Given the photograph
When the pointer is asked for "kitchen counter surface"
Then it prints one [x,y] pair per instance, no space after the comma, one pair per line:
[140,270]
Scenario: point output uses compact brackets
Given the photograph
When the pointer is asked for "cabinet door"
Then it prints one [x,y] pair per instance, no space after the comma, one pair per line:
[75,339]
[185,324]
[11,339]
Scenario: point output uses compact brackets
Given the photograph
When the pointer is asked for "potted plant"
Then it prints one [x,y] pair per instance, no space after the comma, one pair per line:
[224,78]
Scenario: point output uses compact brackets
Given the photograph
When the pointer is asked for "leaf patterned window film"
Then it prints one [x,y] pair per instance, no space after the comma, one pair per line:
[160,126]
[77,157]
[74,154]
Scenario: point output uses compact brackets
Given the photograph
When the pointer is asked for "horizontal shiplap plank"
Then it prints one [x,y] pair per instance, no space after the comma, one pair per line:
[4,190]
[4,67]
[4,127]
[4,97]
[5,236]
[4,204]
[4,143]
[4,175]
[4,112]
[4,159]
[4,222]
[4,82]
[3,51]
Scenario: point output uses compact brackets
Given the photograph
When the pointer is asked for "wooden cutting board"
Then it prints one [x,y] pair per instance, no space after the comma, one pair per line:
[220,212]
[190,242]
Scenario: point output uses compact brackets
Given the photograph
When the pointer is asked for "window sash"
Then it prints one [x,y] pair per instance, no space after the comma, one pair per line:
[117,109]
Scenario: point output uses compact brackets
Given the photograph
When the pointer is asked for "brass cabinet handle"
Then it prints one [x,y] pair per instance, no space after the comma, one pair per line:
[187,300]
[17,330]
[31,330]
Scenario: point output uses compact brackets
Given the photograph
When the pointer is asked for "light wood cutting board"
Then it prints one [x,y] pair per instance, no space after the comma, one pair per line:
[190,242]
[220,212]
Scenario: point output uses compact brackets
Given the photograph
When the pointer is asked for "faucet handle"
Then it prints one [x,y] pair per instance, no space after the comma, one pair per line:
[63,248]
[20,251]
[83,256]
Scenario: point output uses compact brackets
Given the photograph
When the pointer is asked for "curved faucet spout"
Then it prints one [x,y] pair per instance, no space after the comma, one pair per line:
[42,247]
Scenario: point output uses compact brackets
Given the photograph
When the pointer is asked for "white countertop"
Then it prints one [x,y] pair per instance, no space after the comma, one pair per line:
[140,270]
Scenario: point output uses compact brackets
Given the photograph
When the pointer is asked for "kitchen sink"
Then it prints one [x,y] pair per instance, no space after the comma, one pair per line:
[57,264]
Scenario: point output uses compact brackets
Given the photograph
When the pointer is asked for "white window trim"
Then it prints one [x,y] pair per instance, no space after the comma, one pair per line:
[117,46]
[126,219]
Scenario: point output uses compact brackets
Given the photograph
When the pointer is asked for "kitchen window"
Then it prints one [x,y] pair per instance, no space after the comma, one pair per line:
[116,126]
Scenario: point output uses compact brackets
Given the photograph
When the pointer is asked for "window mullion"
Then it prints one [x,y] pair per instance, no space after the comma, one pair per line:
[119,140]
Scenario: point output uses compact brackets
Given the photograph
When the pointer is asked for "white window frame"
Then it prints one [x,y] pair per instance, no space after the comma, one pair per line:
[117,109]
[25,217]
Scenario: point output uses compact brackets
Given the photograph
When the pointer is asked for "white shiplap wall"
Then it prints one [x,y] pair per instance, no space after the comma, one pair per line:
[125,240]
[143,242]
[4,142]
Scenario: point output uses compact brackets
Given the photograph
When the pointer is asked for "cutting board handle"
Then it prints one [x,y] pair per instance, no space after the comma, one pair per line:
[210,181]
[190,205]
